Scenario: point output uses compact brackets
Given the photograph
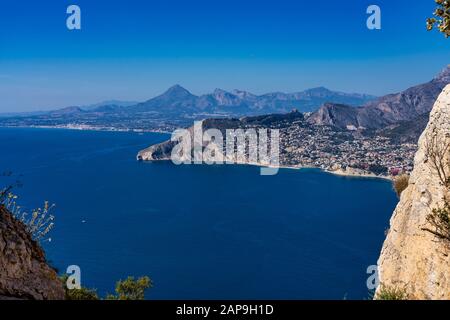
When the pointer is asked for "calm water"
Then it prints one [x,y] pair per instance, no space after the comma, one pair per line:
[217,232]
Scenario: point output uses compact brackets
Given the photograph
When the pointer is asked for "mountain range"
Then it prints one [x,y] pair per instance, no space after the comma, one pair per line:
[120,103]
[179,102]
[392,111]
[177,107]
[400,116]
[177,99]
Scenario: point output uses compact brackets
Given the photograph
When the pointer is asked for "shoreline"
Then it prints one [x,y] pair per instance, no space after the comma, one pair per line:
[95,129]
[342,173]
[357,175]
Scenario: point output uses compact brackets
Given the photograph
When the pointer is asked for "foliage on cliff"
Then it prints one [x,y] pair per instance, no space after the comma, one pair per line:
[131,289]
[440,221]
[438,153]
[24,271]
[81,294]
[391,293]
[38,223]
[441,19]
[128,289]
[401,183]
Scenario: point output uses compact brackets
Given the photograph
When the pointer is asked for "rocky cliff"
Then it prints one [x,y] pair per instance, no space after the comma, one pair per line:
[24,272]
[413,258]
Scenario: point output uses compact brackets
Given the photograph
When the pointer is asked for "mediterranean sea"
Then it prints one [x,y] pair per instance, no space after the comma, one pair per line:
[198,231]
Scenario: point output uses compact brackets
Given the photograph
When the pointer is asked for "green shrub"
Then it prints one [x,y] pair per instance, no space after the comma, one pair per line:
[128,289]
[81,294]
[391,293]
[131,289]
[78,294]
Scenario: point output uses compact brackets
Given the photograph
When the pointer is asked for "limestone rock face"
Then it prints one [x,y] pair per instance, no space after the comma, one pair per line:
[413,259]
[24,273]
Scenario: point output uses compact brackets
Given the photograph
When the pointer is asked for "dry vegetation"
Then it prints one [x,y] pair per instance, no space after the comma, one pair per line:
[438,154]
[401,183]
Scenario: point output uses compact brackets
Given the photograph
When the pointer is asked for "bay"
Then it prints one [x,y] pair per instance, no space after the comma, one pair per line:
[199,231]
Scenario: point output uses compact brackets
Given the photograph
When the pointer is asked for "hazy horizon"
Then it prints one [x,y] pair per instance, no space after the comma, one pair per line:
[256,46]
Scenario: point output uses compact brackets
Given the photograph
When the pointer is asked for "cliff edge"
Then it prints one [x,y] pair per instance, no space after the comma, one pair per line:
[24,272]
[414,259]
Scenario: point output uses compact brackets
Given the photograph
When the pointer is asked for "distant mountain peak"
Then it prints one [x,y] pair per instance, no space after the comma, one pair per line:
[243,94]
[318,90]
[174,98]
[177,90]
[121,103]
[225,98]
[179,104]
[68,110]
[444,75]
[220,91]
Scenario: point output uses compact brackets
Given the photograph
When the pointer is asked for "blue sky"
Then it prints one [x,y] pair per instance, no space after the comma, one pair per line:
[135,49]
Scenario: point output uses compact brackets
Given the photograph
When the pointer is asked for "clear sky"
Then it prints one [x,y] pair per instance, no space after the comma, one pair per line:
[135,49]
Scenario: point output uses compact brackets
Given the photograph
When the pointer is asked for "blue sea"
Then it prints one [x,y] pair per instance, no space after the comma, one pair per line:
[198,231]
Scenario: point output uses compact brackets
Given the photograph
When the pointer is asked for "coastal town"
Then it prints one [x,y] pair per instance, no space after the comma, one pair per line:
[302,144]
[347,152]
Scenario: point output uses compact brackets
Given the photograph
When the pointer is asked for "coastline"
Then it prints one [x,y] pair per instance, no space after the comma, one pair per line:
[352,173]
[341,173]
[87,128]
